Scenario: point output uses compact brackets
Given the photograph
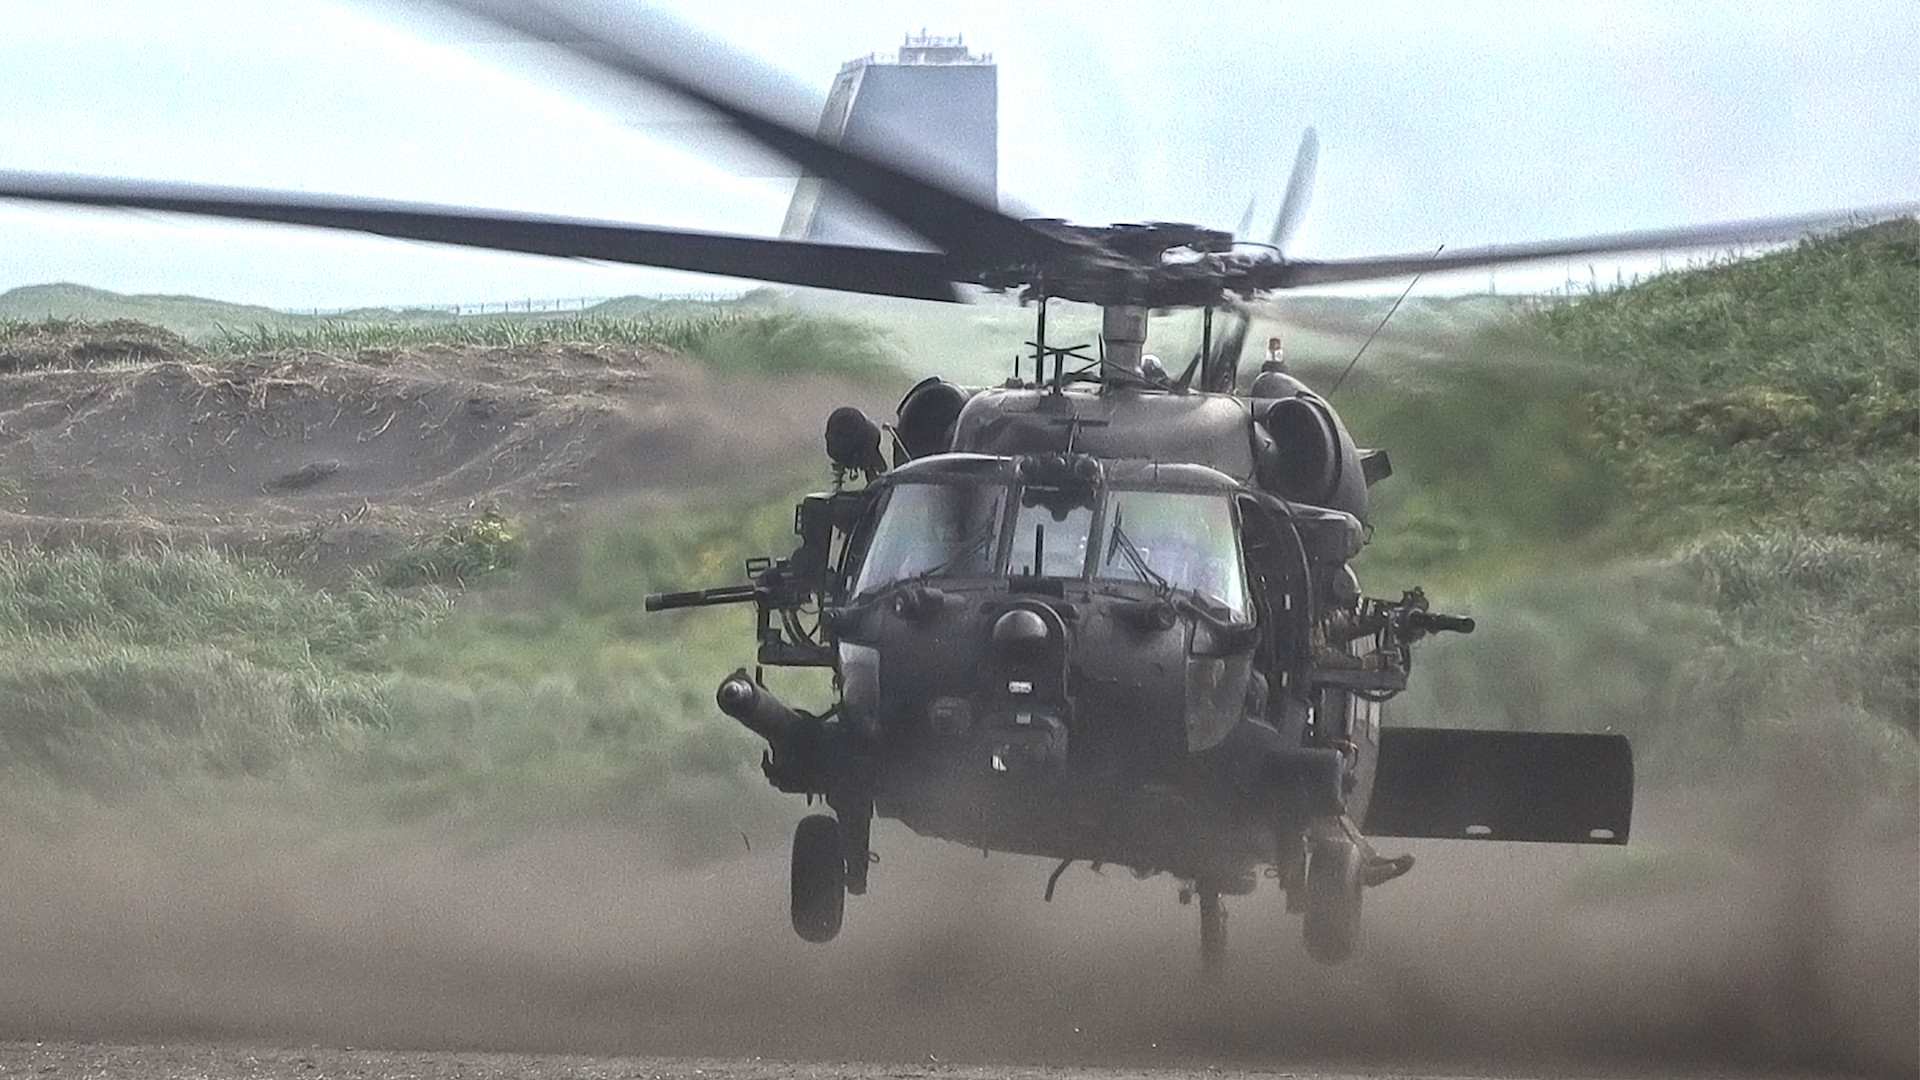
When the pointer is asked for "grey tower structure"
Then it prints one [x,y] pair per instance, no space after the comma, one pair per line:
[933,108]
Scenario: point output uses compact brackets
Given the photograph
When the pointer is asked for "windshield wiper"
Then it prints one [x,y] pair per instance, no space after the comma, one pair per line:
[972,547]
[1119,542]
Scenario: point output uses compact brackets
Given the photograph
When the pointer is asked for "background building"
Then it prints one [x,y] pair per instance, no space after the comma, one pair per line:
[933,108]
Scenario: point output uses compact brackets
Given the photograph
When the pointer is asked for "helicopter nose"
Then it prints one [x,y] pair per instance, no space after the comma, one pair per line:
[1020,631]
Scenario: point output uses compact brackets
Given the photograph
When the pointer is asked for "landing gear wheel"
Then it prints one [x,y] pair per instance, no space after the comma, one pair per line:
[1213,933]
[1333,900]
[819,878]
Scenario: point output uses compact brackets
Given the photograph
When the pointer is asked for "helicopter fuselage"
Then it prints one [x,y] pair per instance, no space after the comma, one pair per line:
[1119,624]
[1064,656]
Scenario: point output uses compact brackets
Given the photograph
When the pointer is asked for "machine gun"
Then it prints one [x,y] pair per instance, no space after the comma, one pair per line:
[786,615]
[1395,626]
[724,594]
[1407,620]
[790,593]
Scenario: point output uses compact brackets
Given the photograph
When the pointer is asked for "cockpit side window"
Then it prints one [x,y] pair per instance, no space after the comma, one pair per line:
[1184,540]
[949,529]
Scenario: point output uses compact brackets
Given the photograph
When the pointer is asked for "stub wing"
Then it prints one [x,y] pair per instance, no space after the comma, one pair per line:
[1548,787]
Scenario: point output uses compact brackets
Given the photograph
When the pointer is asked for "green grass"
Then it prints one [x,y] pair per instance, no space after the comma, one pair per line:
[1781,392]
[734,340]
[1717,660]
[193,318]
[197,598]
[174,674]
[1685,510]
[572,700]
[123,670]
[468,551]
[1496,469]
[475,676]
[738,341]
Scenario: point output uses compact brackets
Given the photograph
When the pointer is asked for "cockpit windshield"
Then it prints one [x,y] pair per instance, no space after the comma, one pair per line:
[1050,534]
[935,530]
[1182,540]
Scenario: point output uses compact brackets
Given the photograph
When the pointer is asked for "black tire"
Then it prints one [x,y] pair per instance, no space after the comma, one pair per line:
[1333,900]
[1213,933]
[819,878]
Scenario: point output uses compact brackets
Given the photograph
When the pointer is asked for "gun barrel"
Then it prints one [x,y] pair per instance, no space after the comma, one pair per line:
[1459,624]
[1432,623]
[725,594]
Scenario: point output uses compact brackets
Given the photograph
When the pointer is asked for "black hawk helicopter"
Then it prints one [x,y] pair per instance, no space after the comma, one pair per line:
[1102,613]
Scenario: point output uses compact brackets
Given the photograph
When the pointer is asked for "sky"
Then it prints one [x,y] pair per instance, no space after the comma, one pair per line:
[1440,122]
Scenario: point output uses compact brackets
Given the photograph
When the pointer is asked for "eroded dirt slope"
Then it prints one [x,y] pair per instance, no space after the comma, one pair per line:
[120,433]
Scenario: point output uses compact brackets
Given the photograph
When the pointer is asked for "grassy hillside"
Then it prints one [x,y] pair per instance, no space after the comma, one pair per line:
[1775,394]
[494,671]
[742,340]
[1684,509]
[971,343]
[192,317]
[1764,394]
[197,679]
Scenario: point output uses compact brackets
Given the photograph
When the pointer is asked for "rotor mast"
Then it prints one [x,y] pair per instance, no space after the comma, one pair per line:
[1123,337]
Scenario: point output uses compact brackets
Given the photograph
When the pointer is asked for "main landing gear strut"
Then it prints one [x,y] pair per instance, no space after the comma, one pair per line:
[1213,919]
[1213,932]
[1323,884]
[1332,900]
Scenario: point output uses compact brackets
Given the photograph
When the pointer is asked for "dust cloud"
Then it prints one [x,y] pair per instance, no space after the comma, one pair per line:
[1798,951]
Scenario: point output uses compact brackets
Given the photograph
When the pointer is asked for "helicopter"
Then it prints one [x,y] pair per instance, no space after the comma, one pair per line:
[1103,612]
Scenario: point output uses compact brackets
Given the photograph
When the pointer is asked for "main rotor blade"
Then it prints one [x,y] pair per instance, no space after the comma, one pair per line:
[647,46]
[1293,209]
[916,274]
[1246,219]
[1299,272]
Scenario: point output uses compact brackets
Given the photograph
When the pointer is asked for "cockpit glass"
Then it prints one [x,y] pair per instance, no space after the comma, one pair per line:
[1050,531]
[934,530]
[1178,540]
[1183,540]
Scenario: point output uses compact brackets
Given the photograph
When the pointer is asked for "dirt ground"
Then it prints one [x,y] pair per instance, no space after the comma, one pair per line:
[160,1062]
[122,435]
[1782,958]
